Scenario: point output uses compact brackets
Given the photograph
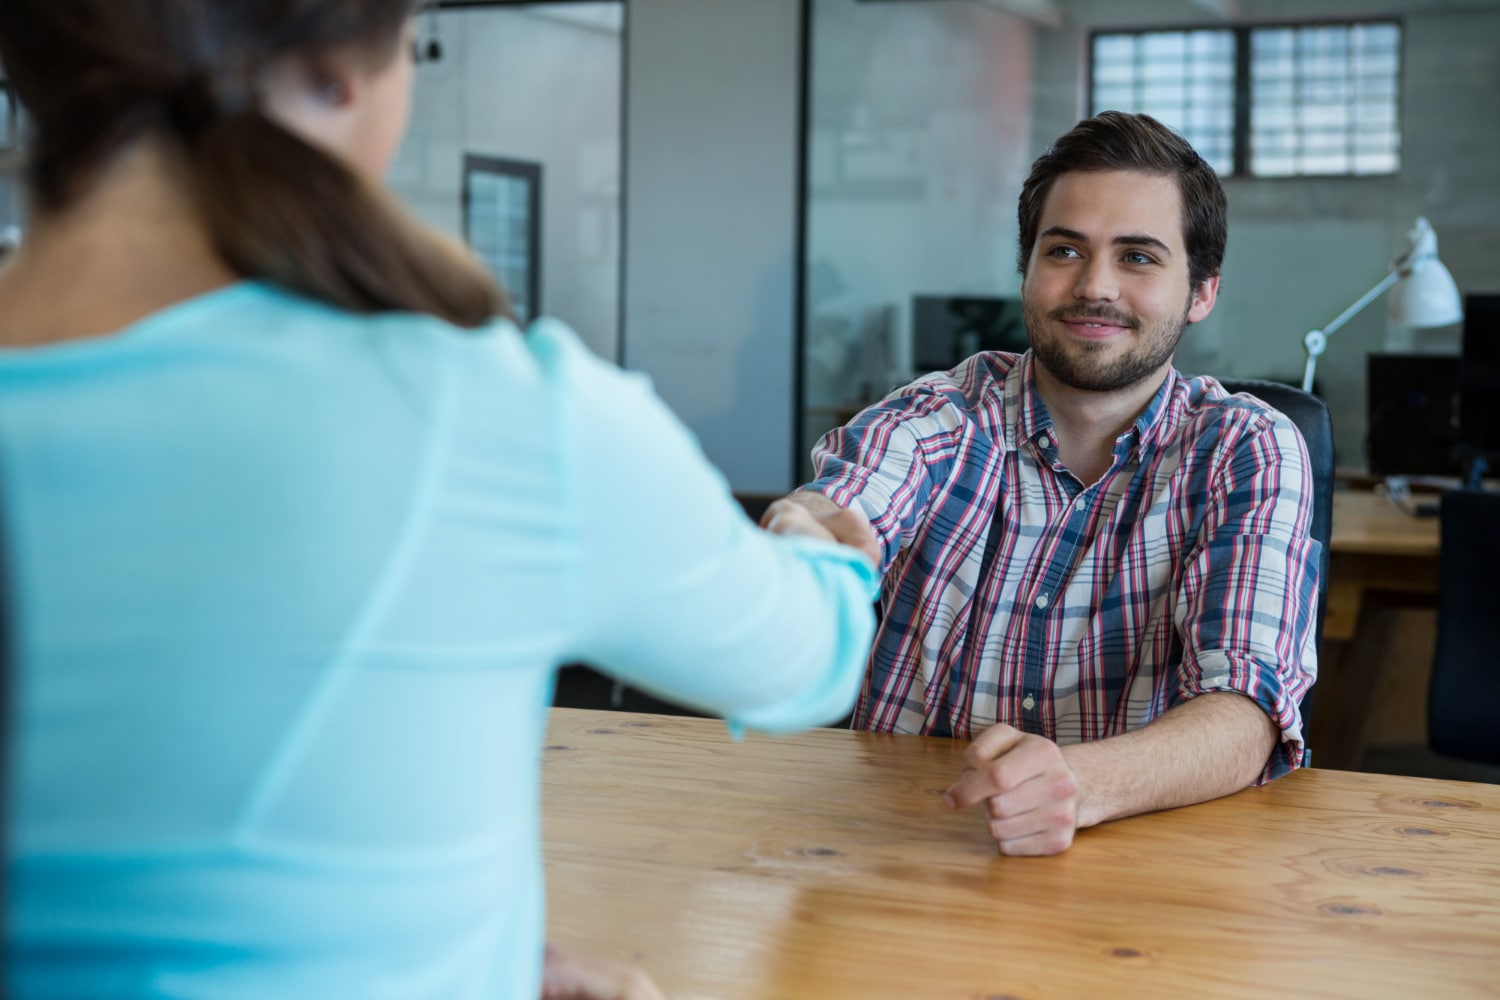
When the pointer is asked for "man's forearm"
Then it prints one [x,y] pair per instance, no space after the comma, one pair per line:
[1208,746]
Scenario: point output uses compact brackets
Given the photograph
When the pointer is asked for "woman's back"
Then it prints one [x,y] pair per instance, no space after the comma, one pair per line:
[291,584]
[292,560]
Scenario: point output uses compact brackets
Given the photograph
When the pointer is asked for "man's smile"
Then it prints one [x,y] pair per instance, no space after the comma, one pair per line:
[1095,324]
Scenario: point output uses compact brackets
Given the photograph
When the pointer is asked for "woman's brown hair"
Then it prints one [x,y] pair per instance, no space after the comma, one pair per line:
[98,75]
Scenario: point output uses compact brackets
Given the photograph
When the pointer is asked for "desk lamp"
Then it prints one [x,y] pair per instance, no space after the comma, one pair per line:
[1425,295]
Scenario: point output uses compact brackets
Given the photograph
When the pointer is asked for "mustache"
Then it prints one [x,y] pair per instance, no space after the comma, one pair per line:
[1108,314]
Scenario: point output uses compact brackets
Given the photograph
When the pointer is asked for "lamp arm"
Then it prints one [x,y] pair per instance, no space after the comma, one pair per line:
[1316,341]
[1364,300]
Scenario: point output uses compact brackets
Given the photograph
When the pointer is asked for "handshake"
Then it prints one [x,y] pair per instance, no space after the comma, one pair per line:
[813,515]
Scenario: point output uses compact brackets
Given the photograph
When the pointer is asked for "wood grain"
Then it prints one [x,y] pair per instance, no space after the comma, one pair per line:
[825,866]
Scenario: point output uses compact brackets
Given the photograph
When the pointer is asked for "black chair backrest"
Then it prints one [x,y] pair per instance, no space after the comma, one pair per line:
[1310,414]
[1463,696]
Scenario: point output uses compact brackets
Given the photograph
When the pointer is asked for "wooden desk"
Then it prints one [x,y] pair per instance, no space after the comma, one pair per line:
[1375,546]
[825,866]
[1379,557]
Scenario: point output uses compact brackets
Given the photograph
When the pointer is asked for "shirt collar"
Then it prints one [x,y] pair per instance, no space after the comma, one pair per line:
[1026,412]
[1150,425]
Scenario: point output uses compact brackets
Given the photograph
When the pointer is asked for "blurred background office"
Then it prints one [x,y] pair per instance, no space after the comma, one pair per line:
[780,209]
[783,209]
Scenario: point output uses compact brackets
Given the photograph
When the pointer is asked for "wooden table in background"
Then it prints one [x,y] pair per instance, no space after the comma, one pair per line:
[824,866]
[1380,558]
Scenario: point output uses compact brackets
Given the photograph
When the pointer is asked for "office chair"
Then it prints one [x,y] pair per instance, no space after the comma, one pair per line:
[1310,414]
[1464,693]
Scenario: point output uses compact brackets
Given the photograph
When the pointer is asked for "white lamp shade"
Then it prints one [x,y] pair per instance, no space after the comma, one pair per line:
[1428,296]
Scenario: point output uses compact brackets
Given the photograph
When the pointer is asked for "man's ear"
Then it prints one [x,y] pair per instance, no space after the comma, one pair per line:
[1203,298]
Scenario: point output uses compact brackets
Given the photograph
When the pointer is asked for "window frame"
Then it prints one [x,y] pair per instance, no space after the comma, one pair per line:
[1242,91]
[526,299]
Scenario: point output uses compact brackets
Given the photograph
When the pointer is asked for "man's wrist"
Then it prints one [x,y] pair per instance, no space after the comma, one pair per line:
[813,501]
[1078,756]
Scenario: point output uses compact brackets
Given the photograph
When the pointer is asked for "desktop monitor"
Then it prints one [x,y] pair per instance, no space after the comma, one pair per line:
[948,328]
[1411,414]
[1479,380]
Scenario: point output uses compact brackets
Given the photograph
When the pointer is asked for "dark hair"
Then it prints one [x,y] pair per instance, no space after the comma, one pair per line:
[98,75]
[1113,140]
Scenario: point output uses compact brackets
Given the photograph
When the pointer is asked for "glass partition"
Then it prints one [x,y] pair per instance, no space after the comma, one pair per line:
[515,146]
[924,118]
[918,138]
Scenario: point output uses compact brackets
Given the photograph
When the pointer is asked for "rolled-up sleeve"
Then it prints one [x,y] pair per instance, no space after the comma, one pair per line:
[1248,599]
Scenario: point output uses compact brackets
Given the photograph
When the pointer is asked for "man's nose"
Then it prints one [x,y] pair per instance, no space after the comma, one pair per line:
[1097,282]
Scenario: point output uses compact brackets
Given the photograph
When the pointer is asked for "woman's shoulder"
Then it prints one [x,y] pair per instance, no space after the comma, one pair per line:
[498,361]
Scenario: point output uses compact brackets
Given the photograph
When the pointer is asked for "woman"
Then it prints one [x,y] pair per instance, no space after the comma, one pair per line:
[298,533]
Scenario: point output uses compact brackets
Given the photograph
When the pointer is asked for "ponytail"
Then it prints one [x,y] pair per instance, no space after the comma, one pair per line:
[278,207]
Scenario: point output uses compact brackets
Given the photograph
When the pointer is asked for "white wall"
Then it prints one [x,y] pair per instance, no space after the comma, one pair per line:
[524,86]
[711,210]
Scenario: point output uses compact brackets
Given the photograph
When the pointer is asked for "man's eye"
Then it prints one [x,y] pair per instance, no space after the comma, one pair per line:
[1062,251]
[1136,257]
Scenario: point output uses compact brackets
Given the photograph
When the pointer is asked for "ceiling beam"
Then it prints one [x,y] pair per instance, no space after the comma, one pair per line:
[1046,13]
[1228,10]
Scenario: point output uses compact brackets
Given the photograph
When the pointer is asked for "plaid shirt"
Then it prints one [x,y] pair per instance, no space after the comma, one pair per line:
[1015,594]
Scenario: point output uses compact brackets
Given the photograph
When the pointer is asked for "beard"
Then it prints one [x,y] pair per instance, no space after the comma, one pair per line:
[1085,364]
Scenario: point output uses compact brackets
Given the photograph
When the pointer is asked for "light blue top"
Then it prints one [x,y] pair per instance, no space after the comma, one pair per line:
[291,586]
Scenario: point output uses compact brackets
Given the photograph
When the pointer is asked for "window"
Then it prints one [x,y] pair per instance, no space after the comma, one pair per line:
[1184,79]
[1323,100]
[1274,101]
[503,224]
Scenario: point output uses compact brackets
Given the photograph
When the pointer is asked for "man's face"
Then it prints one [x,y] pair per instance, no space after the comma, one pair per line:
[1106,293]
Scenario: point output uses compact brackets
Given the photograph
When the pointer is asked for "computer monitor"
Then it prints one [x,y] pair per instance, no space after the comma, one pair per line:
[948,328]
[1411,414]
[1479,380]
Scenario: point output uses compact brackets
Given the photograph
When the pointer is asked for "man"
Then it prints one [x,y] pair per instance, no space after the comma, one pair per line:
[1103,562]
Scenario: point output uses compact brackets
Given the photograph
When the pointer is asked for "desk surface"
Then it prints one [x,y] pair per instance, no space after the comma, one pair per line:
[1365,522]
[825,866]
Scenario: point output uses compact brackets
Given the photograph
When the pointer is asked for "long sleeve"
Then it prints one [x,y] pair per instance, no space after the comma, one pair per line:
[1249,593]
[677,591]
[891,459]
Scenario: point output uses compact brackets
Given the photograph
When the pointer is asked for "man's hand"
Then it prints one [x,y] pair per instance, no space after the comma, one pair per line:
[1031,793]
[567,976]
[826,520]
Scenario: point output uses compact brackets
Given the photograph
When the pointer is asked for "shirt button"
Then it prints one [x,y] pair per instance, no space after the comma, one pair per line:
[1029,703]
[1041,600]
